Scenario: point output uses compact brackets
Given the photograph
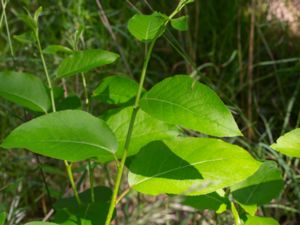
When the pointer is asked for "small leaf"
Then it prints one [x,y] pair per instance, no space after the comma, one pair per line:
[181,100]
[181,23]
[213,201]
[24,89]
[236,215]
[255,220]
[146,129]
[53,49]
[37,14]
[25,38]
[289,144]
[147,27]
[68,212]
[189,166]
[83,61]
[29,21]
[250,209]
[261,187]
[116,90]
[71,135]
[40,223]
[2,218]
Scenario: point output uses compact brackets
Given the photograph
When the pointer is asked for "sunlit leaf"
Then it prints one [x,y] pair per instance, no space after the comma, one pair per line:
[72,135]
[261,187]
[189,166]
[146,129]
[255,220]
[83,61]
[147,27]
[53,49]
[181,100]
[180,23]
[289,144]
[24,89]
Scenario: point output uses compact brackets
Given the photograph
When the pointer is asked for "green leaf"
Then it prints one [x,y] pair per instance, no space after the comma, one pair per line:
[68,212]
[147,27]
[83,61]
[181,23]
[250,209]
[37,14]
[146,129]
[261,187]
[24,89]
[40,223]
[25,38]
[116,90]
[2,218]
[289,144]
[236,215]
[189,166]
[255,220]
[53,49]
[181,100]
[71,135]
[213,201]
[29,21]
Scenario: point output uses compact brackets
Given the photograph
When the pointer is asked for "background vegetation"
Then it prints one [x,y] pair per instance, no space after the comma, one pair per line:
[248,52]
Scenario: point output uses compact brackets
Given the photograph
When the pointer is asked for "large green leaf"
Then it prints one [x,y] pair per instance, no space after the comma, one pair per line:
[83,61]
[189,166]
[68,212]
[2,218]
[146,129]
[213,201]
[289,144]
[255,220]
[24,89]
[261,187]
[147,27]
[183,101]
[72,135]
[116,90]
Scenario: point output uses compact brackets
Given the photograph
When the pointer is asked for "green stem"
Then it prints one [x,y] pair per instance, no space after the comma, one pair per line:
[86,97]
[46,72]
[132,120]
[68,167]
[92,180]
[7,27]
[71,178]
[129,134]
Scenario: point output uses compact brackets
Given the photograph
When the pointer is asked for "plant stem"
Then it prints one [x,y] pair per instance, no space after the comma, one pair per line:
[92,179]
[132,120]
[7,27]
[46,72]
[68,167]
[129,133]
[71,178]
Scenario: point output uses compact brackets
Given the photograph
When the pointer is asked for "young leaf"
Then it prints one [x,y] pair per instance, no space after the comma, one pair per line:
[255,220]
[25,38]
[180,23]
[68,212]
[147,27]
[181,100]
[189,166]
[24,89]
[116,90]
[53,49]
[261,187]
[40,223]
[289,144]
[213,201]
[2,218]
[146,129]
[71,135]
[83,61]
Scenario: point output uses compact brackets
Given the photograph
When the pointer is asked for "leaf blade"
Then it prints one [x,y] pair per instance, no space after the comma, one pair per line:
[181,100]
[71,135]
